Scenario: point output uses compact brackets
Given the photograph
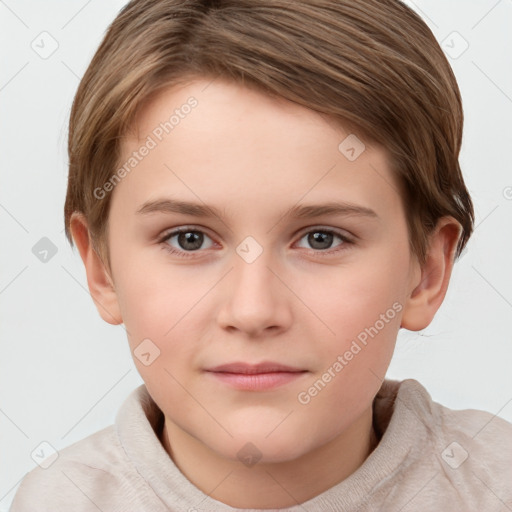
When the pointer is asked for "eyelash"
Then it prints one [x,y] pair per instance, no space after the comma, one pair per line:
[191,254]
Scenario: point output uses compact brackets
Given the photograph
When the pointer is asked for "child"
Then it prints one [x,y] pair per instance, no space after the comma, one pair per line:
[308,153]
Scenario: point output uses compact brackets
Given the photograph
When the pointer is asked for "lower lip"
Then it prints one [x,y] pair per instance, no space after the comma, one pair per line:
[257,381]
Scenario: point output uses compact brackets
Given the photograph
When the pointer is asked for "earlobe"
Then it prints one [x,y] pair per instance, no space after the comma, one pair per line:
[100,283]
[430,282]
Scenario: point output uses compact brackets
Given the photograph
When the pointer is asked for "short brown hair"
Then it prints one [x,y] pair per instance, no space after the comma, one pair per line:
[371,65]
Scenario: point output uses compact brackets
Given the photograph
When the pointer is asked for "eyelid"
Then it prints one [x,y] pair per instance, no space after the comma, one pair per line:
[181,229]
[318,227]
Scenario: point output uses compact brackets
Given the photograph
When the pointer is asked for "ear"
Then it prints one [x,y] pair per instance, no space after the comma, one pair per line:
[99,281]
[430,282]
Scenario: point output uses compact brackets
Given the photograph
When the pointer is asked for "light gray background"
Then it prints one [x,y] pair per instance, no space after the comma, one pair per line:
[64,372]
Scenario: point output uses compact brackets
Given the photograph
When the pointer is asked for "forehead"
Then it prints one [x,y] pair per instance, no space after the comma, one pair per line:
[219,141]
[215,108]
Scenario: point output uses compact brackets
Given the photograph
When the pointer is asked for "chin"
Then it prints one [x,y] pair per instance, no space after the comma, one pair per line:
[257,445]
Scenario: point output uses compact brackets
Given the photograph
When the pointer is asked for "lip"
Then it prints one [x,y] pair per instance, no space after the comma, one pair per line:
[254,369]
[255,377]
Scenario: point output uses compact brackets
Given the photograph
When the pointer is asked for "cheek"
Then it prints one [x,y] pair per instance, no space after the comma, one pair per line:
[364,312]
[350,298]
[154,297]
[361,304]
[170,307]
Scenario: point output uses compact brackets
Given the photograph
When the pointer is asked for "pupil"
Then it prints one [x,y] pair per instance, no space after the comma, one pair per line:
[190,240]
[321,238]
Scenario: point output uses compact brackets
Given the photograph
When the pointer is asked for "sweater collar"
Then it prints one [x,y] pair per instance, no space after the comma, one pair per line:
[401,413]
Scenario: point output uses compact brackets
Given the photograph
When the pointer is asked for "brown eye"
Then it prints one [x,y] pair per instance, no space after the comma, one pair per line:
[321,240]
[190,240]
[185,240]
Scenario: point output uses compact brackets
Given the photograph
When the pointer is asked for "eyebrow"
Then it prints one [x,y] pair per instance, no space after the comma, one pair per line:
[300,211]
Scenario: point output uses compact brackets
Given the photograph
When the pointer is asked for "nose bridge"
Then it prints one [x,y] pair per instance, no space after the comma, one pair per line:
[252,274]
[254,302]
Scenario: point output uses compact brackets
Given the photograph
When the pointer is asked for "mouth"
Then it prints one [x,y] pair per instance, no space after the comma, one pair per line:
[255,377]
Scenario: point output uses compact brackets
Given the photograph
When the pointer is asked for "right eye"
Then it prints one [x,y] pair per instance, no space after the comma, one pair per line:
[186,241]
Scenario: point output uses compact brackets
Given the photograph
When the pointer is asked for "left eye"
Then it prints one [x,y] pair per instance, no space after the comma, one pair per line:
[322,239]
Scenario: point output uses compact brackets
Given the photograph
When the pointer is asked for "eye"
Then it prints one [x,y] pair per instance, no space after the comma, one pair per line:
[186,240]
[320,240]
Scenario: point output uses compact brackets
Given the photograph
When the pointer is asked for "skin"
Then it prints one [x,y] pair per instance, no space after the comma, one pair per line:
[253,157]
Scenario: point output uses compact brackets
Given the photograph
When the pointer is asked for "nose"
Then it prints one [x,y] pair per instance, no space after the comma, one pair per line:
[255,302]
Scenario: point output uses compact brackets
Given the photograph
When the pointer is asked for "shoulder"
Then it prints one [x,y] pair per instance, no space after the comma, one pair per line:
[92,474]
[98,472]
[480,435]
[475,427]
[471,450]
[73,475]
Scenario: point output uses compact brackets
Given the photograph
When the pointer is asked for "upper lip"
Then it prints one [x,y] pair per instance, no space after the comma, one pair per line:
[252,369]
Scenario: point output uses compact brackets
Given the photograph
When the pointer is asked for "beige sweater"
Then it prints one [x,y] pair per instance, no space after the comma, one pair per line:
[429,459]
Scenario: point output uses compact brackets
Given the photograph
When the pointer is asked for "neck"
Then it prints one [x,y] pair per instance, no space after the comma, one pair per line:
[276,485]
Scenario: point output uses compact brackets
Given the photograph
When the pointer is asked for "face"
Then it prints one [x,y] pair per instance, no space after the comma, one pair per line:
[261,263]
